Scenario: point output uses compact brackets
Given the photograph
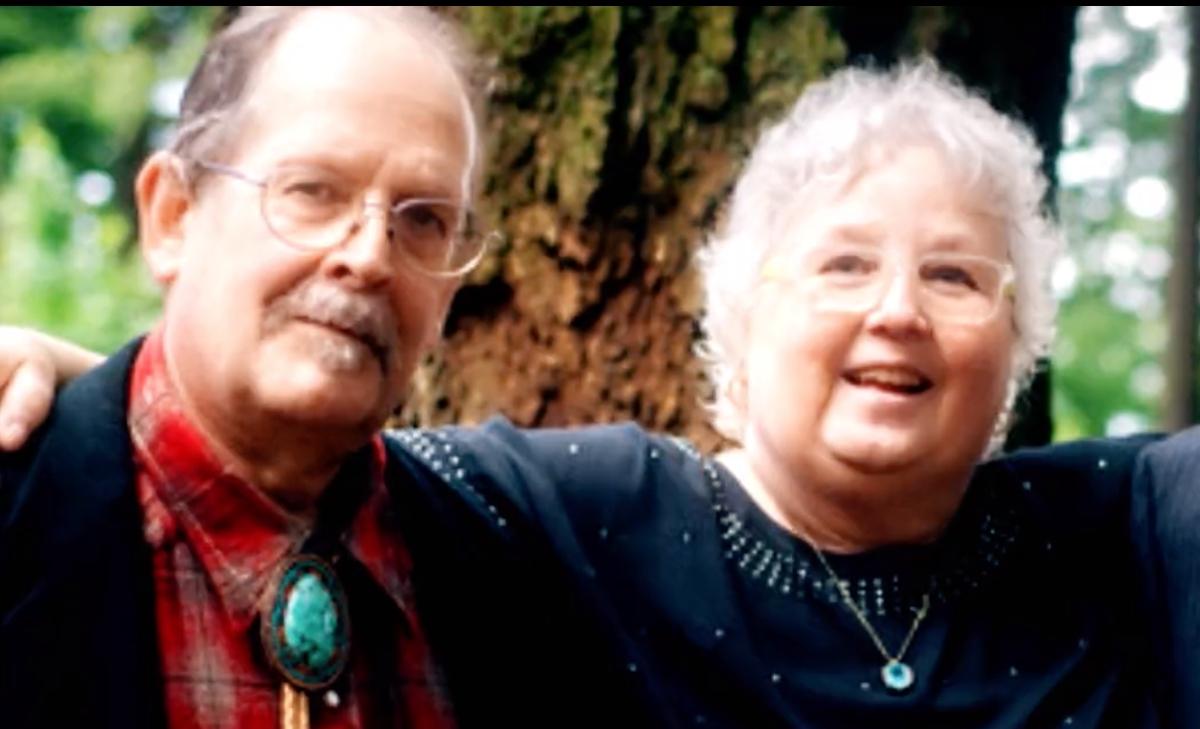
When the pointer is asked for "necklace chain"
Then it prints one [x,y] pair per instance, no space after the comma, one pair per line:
[862,618]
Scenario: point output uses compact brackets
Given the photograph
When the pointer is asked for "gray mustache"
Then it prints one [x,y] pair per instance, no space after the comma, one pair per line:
[368,317]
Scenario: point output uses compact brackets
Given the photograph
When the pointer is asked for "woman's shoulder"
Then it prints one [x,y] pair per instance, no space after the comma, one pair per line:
[1079,485]
[1086,459]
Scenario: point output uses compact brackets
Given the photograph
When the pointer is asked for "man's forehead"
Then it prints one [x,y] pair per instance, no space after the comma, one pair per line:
[330,48]
[341,84]
[325,36]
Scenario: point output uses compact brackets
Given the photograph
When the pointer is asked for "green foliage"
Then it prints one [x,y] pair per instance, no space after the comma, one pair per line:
[1112,327]
[78,112]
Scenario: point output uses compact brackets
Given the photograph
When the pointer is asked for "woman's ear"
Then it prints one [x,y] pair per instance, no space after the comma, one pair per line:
[163,200]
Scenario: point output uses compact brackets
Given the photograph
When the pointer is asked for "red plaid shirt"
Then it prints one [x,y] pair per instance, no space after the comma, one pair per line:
[216,541]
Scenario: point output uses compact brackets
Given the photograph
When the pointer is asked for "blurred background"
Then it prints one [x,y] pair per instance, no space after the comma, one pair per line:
[616,133]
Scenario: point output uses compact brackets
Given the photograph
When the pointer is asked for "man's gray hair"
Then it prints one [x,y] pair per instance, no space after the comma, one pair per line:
[218,88]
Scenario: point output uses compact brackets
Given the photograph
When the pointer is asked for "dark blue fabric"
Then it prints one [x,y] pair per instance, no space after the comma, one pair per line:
[1049,636]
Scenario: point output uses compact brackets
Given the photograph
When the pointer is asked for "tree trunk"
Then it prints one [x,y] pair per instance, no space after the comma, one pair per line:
[616,134]
[1179,402]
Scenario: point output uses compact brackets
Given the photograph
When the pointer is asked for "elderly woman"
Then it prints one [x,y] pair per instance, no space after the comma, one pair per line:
[875,303]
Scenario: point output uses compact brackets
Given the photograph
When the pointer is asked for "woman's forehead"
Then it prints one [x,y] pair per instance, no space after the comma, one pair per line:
[889,201]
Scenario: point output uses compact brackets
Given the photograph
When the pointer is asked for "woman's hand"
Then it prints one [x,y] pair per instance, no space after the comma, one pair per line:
[32,365]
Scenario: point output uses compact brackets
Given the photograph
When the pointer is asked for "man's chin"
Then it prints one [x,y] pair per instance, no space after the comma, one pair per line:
[341,354]
[328,400]
[330,418]
[336,352]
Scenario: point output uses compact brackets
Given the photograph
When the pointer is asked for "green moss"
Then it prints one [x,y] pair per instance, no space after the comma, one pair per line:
[788,49]
[705,85]
[553,90]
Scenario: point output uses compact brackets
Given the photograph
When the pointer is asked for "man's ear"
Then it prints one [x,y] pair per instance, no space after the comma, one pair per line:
[163,200]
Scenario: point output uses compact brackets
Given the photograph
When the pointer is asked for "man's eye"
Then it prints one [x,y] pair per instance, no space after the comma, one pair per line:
[312,191]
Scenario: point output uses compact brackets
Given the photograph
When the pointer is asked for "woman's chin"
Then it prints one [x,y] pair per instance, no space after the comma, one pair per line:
[878,450]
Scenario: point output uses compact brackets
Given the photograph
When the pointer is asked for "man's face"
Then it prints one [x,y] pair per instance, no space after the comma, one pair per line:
[261,332]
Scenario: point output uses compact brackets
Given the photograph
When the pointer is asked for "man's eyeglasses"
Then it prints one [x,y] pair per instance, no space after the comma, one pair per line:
[312,208]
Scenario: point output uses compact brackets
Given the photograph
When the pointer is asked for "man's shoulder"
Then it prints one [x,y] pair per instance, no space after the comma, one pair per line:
[1167,481]
[97,398]
[77,587]
[1181,450]
[77,460]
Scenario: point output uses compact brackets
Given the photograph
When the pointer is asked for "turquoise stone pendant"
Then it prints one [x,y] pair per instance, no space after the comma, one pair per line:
[305,623]
[898,677]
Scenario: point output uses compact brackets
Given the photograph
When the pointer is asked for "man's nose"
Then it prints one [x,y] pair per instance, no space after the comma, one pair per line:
[366,256]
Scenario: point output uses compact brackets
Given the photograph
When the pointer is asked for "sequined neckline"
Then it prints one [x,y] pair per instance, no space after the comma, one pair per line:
[976,547]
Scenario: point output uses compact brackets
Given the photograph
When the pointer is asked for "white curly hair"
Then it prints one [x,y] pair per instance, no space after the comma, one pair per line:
[836,129]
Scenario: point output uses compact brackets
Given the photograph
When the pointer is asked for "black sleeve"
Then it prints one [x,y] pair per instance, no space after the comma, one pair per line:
[1165,519]
[497,536]
[563,487]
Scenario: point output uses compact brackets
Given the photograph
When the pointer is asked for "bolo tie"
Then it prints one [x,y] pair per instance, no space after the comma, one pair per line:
[304,618]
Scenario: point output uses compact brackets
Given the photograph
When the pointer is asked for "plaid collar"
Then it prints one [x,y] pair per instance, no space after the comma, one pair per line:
[237,533]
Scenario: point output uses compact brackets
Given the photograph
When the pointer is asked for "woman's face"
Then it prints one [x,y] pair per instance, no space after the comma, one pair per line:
[902,376]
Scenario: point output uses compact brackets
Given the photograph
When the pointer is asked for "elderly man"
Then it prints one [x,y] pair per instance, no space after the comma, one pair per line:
[190,539]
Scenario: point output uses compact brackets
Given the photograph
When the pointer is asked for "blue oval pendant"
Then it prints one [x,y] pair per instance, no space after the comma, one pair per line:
[898,677]
[305,624]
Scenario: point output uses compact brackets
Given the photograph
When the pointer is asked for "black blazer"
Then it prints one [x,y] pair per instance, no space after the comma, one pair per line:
[1166,521]
[78,643]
